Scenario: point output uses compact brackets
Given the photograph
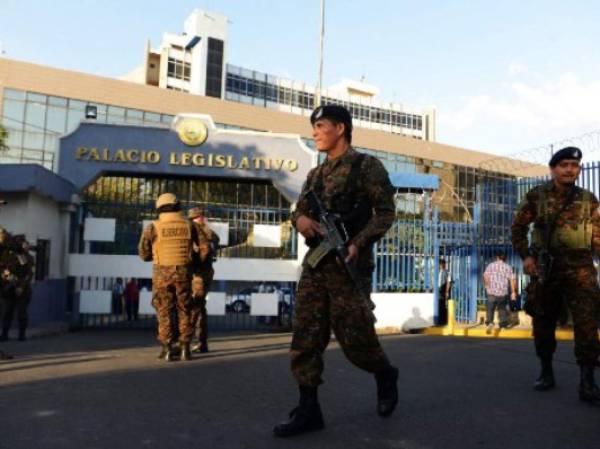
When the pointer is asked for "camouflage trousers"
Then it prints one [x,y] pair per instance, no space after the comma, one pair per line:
[18,304]
[578,286]
[200,287]
[327,301]
[171,290]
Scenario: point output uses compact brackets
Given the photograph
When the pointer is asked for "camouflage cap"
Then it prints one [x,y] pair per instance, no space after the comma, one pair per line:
[166,199]
[195,212]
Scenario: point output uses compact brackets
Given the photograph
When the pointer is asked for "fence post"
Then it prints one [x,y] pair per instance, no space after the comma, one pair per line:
[436,263]
[427,244]
[474,271]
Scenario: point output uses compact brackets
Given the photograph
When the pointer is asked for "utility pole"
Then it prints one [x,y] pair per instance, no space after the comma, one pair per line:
[321,39]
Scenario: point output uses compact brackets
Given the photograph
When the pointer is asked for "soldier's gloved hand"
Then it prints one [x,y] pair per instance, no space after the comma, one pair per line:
[308,227]
[352,253]
[529,266]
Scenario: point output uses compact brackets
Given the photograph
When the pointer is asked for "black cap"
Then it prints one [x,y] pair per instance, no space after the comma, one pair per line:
[332,111]
[565,153]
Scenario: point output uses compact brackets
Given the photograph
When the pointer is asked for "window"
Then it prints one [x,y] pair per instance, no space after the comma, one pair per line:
[42,260]
[178,69]
[214,68]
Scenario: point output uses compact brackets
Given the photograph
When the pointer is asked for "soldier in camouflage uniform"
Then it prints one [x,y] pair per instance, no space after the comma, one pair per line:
[358,188]
[203,273]
[167,242]
[572,239]
[3,248]
[17,273]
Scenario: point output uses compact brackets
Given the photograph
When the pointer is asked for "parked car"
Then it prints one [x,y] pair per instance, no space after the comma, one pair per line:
[240,302]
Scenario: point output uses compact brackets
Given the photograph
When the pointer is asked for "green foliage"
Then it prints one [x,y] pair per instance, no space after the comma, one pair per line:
[3,139]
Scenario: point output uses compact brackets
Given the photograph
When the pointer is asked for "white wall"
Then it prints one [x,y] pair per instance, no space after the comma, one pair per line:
[100,265]
[39,218]
[403,311]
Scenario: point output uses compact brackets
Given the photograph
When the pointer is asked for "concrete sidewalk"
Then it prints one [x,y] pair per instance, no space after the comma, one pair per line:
[105,389]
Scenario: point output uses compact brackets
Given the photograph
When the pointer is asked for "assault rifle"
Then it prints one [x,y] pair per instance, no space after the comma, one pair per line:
[544,261]
[335,239]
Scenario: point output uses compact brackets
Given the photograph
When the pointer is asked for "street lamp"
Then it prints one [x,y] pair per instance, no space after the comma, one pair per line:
[321,39]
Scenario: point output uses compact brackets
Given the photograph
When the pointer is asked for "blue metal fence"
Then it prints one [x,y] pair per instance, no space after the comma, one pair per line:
[470,247]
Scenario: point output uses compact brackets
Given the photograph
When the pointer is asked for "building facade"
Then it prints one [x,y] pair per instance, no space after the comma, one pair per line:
[195,62]
[44,108]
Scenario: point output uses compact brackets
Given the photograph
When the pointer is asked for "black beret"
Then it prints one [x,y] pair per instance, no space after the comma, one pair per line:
[332,111]
[565,153]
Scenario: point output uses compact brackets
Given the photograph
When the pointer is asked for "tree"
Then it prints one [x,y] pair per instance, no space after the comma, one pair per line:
[3,139]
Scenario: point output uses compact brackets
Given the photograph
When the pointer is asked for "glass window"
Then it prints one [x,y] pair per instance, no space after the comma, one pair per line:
[38,98]
[100,108]
[42,260]
[244,194]
[51,142]
[76,104]
[152,117]
[14,94]
[74,117]
[33,140]
[116,111]
[15,138]
[57,119]
[260,195]
[116,114]
[32,155]
[134,116]
[13,112]
[35,116]
[57,101]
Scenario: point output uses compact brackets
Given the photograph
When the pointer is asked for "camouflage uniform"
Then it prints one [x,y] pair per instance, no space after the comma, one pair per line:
[573,275]
[170,288]
[203,273]
[3,238]
[18,264]
[327,299]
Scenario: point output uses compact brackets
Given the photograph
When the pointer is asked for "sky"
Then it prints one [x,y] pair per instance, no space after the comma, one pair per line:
[504,77]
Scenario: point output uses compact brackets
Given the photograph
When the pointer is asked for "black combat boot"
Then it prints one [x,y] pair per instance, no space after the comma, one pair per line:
[387,390]
[204,348]
[166,353]
[307,417]
[185,351]
[546,380]
[588,390]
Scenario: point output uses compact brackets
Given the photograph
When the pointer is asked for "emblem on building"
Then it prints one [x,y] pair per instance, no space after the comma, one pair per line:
[192,131]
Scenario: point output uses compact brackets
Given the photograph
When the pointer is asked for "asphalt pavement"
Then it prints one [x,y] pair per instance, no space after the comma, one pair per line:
[106,389]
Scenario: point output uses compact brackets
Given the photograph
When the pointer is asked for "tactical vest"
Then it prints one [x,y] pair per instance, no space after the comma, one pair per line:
[354,212]
[574,234]
[173,244]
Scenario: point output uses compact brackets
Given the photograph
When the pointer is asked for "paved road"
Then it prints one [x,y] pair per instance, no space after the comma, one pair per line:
[106,390]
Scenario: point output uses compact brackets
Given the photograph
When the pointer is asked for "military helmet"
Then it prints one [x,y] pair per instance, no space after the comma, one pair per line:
[166,199]
[195,212]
